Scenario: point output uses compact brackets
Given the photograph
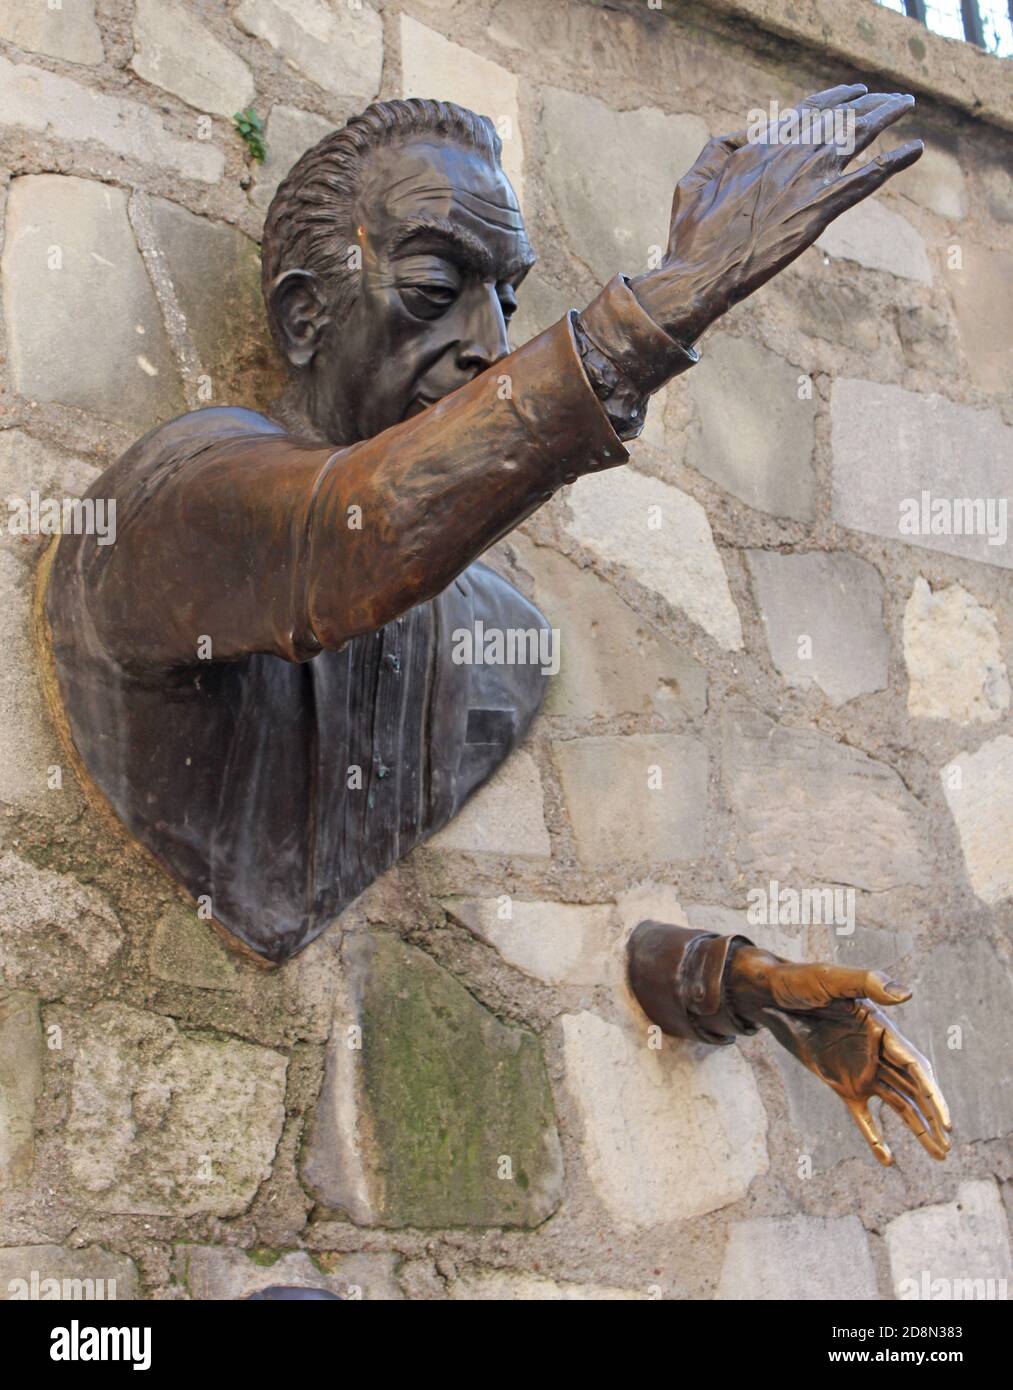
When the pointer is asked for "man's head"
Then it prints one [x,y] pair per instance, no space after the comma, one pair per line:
[391,255]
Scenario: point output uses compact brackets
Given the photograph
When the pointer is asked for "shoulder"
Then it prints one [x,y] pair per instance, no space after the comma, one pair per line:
[497,602]
[213,422]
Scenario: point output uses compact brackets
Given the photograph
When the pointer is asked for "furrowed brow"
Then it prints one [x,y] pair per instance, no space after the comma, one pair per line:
[465,248]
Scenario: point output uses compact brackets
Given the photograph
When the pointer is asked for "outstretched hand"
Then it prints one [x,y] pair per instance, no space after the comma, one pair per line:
[829,1017]
[747,208]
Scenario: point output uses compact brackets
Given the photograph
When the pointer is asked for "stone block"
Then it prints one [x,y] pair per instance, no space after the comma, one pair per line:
[337,46]
[58,1272]
[167,1123]
[215,273]
[662,538]
[48,104]
[225,1273]
[506,816]
[755,434]
[55,933]
[903,461]
[615,207]
[557,943]
[879,239]
[176,52]
[982,293]
[22,1053]
[813,811]
[66,31]
[823,618]
[954,660]
[289,134]
[433,1113]
[978,788]
[611,661]
[433,66]
[668,1134]
[83,324]
[636,798]
[953,1251]
[799,1259]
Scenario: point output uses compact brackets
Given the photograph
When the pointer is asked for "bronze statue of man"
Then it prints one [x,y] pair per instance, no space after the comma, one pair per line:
[258,675]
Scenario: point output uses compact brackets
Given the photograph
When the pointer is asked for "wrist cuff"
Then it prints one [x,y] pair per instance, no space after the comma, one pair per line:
[625,332]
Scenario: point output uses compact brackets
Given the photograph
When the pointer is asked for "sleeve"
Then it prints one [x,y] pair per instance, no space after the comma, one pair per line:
[266,543]
[679,977]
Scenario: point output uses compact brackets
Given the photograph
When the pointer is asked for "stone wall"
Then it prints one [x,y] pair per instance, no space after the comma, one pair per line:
[824,691]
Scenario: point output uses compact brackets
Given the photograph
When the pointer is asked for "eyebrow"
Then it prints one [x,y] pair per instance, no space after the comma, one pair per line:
[464,246]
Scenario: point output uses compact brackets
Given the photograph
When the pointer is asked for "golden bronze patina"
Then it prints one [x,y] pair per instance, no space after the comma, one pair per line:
[258,675]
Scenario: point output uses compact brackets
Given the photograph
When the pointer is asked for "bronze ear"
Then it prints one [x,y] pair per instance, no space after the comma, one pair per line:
[299,309]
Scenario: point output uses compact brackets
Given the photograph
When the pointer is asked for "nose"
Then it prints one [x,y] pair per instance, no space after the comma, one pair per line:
[483,339]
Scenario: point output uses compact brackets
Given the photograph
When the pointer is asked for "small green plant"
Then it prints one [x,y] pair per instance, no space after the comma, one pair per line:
[251,129]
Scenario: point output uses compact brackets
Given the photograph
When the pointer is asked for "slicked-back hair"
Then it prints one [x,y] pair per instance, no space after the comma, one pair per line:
[310,223]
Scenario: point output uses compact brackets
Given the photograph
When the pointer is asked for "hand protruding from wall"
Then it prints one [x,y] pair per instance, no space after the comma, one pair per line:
[748,208]
[829,1017]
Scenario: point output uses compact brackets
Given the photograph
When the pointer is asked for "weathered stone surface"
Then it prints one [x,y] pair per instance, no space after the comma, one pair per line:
[823,616]
[504,1286]
[937,182]
[21,1058]
[178,53]
[662,537]
[28,744]
[168,1123]
[54,931]
[979,792]
[215,273]
[611,661]
[277,1007]
[339,47]
[953,1251]
[926,336]
[289,134]
[219,1272]
[185,951]
[961,1017]
[615,208]
[638,798]
[541,302]
[798,1258]
[839,314]
[90,1273]
[879,239]
[755,435]
[559,943]
[65,110]
[88,334]
[432,66]
[954,660]
[891,447]
[507,816]
[812,810]
[415,1126]
[982,291]
[66,31]
[668,1134]
[998,184]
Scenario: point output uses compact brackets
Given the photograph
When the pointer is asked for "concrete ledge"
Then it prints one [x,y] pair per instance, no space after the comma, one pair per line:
[874,39]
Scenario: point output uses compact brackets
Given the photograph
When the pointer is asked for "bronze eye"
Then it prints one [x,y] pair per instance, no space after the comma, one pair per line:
[428,301]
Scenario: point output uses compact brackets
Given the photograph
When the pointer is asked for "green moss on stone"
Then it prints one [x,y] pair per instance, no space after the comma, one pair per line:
[452,1091]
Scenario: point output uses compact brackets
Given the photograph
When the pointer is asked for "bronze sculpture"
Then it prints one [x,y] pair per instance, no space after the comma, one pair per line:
[257,676]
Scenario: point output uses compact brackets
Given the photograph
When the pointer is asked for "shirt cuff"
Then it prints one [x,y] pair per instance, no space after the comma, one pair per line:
[679,977]
[640,350]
